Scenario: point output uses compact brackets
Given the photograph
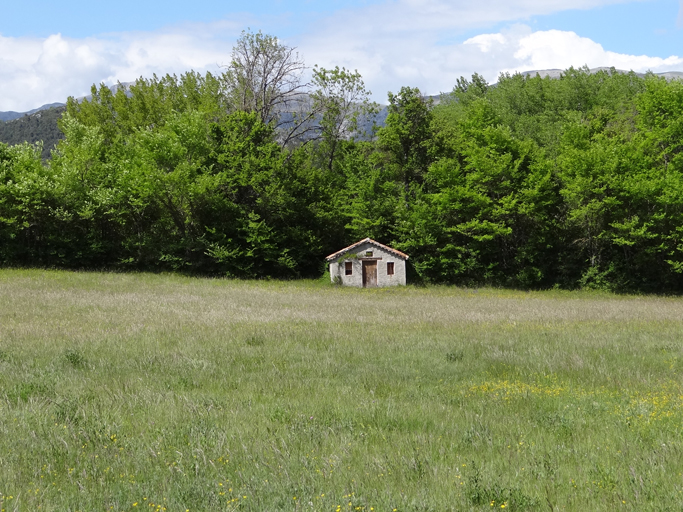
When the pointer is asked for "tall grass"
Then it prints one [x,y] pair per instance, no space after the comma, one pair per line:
[153,392]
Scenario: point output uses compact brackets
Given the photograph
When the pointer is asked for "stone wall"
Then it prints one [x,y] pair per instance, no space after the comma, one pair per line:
[356,258]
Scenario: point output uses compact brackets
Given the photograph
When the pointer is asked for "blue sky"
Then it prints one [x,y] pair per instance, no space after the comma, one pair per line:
[634,28]
[80,18]
[50,50]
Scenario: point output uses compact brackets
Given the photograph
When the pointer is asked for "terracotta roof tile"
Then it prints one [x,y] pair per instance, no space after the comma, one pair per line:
[366,240]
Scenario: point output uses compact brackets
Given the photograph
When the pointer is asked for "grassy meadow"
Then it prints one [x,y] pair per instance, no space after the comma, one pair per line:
[132,392]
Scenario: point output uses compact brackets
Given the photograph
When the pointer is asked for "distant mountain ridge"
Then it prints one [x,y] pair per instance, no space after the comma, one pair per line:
[543,73]
[11,115]
[40,124]
[556,73]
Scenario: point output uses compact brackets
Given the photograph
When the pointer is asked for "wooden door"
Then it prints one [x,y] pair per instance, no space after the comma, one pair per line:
[369,274]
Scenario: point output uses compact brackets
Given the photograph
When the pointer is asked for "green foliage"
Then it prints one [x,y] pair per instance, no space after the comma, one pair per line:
[409,137]
[29,209]
[595,179]
[533,182]
[343,100]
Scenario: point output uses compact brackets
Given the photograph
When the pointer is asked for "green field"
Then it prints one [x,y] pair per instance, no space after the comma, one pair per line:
[160,392]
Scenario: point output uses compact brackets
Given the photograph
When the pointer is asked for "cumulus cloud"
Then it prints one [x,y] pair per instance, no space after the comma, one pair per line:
[522,50]
[38,71]
[415,42]
[394,43]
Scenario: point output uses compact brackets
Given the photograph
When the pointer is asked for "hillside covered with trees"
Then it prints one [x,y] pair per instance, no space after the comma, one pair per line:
[36,127]
[533,183]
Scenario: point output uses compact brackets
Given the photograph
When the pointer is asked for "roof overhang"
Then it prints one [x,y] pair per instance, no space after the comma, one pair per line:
[350,248]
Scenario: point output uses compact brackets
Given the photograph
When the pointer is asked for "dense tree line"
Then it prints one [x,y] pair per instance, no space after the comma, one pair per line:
[576,182]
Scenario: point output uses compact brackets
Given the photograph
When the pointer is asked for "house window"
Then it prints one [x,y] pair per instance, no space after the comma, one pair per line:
[348,268]
[368,254]
[390,268]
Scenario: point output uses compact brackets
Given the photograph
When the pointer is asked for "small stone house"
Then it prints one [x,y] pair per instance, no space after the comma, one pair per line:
[368,264]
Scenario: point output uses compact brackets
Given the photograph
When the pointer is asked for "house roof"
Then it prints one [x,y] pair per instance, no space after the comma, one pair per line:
[366,240]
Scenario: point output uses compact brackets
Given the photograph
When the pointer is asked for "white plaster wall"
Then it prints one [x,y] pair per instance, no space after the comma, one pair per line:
[356,279]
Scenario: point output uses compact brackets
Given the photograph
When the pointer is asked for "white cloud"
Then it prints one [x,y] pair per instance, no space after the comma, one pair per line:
[38,71]
[403,43]
[396,43]
[523,50]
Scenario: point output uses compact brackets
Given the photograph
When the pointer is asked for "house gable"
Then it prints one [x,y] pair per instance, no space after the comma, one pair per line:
[350,248]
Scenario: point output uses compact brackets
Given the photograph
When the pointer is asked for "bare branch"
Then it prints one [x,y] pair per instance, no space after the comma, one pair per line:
[267,77]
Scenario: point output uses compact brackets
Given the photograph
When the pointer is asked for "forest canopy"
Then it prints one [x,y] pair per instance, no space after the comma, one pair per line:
[261,172]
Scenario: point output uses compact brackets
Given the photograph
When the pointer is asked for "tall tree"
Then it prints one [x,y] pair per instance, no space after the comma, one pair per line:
[267,77]
[342,102]
[410,138]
